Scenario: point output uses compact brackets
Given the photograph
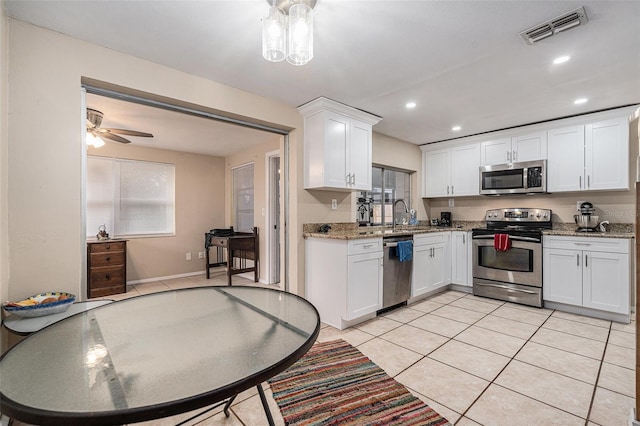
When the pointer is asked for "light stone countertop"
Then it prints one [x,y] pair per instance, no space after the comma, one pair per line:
[351,231]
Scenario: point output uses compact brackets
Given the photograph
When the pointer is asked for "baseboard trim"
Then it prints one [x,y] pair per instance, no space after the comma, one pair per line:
[167,277]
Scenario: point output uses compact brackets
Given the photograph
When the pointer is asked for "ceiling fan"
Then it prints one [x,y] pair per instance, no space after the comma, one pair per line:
[94,119]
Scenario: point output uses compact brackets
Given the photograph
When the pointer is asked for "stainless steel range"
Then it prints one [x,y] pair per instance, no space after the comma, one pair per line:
[507,255]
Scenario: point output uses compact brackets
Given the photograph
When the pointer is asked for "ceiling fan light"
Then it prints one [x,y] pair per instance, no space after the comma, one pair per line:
[93,140]
[300,43]
[274,35]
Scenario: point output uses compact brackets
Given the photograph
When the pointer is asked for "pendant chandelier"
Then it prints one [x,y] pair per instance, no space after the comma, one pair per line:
[291,37]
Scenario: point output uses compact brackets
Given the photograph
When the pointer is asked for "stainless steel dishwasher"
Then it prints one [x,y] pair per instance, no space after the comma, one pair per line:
[396,279]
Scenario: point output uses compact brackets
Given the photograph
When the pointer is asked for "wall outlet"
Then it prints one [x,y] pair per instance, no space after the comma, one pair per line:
[200,255]
[188,256]
[451,202]
[334,204]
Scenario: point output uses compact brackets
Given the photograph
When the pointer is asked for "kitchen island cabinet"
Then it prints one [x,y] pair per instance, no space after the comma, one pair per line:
[431,262]
[592,273]
[344,279]
[337,146]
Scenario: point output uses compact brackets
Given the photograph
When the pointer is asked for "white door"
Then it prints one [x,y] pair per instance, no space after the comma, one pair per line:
[529,147]
[440,266]
[420,272]
[335,150]
[562,276]
[272,256]
[465,174]
[359,161]
[607,154]
[606,281]
[364,284]
[459,258]
[565,165]
[495,152]
[436,173]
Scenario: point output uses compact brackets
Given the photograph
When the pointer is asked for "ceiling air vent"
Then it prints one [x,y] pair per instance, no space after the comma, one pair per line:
[554,26]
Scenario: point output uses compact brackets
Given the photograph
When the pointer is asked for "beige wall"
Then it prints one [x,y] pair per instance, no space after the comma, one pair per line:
[256,156]
[4,210]
[614,206]
[200,195]
[45,236]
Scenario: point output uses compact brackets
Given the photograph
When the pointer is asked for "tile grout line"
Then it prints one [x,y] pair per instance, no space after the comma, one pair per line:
[595,386]
[502,370]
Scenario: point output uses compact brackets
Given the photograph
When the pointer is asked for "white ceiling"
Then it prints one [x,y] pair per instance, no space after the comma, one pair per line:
[462,62]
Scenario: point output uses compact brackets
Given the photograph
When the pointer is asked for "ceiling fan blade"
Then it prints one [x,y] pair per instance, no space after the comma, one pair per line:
[113,137]
[130,132]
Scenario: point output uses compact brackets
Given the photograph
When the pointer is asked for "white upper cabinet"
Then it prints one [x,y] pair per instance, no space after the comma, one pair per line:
[452,171]
[526,147]
[337,146]
[589,157]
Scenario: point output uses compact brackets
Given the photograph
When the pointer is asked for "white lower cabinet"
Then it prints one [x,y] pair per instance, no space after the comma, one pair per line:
[431,262]
[344,278]
[461,258]
[588,272]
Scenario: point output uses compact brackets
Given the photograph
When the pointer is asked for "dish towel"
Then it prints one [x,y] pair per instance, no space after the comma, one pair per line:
[405,250]
[501,242]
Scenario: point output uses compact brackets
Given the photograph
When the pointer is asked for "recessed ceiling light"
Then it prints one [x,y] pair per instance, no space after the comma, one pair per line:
[561,59]
[410,105]
[456,128]
[580,101]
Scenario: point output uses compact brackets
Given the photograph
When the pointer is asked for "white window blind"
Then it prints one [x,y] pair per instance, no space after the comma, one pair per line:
[243,197]
[131,198]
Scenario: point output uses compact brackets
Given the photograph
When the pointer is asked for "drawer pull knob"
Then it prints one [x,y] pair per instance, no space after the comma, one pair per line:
[108,259]
[107,276]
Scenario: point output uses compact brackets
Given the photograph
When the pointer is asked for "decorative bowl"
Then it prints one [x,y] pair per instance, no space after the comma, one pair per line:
[38,310]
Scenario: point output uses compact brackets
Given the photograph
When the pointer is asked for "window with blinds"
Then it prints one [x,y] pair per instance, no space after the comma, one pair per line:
[243,197]
[131,198]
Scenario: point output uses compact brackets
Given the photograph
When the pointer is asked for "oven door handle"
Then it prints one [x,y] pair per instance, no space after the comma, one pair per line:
[514,238]
[506,288]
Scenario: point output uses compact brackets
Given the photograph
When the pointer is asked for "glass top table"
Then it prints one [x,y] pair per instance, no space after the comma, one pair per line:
[155,355]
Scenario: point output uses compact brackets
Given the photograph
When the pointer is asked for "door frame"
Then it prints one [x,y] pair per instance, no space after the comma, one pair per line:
[273,221]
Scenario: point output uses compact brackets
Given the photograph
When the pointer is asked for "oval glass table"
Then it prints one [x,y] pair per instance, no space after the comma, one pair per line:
[156,355]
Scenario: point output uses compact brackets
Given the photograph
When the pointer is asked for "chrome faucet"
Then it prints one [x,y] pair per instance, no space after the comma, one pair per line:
[395,203]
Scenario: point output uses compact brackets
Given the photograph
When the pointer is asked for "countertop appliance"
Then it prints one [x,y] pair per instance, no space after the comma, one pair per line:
[587,221]
[514,274]
[364,211]
[396,278]
[514,178]
[445,219]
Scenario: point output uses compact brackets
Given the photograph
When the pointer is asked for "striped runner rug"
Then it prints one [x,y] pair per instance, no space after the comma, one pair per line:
[335,384]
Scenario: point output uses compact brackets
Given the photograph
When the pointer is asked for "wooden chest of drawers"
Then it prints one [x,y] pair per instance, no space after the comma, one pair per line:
[106,268]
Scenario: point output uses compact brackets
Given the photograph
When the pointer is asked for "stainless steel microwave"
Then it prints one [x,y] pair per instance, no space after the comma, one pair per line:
[514,178]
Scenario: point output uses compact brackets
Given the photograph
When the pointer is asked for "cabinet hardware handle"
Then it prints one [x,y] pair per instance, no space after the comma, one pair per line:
[348,178]
[588,181]
[582,244]
[108,259]
[107,276]
[577,260]
[508,155]
[580,177]
[353,179]
[586,261]
[107,248]
[367,246]
[447,189]
[451,189]
[515,155]
[463,241]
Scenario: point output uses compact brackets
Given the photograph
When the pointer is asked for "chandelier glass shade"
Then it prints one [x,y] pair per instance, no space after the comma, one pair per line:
[274,35]
[289,37]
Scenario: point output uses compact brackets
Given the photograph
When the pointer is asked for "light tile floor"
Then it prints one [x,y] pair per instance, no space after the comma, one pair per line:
[476,361]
